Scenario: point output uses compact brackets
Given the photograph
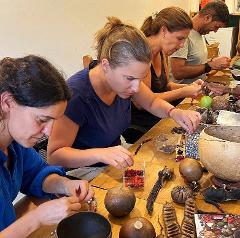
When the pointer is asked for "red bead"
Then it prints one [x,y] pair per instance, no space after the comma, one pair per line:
[179,158]
[134,178]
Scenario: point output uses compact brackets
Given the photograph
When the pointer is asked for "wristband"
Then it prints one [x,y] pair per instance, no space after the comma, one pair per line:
[170,110]
[207,68]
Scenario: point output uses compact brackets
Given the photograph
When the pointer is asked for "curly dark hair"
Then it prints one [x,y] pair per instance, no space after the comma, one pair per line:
[32,81]
[218,9]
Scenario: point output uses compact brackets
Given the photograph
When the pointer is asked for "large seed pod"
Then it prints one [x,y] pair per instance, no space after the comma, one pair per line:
[172,227]
[188,224]
[119,201]
[180,194]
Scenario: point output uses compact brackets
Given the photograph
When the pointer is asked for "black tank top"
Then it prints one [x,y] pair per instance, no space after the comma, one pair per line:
[159,84]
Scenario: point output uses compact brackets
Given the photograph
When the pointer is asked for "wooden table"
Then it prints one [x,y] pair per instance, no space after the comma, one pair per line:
[155,161]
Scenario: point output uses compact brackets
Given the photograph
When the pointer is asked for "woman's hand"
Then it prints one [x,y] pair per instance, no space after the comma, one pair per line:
[199,82]
[217,89]
[52,212]
[116,156]
[187,119]
[193,90]
[79,188]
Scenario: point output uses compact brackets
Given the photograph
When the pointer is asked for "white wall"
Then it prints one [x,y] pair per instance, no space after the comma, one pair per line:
[224,37]
[156,5]
[63,30]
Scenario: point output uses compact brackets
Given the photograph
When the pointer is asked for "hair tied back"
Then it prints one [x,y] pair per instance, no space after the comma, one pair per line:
[154,15]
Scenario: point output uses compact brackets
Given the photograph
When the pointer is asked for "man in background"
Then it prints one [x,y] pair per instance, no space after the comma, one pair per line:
[190,62]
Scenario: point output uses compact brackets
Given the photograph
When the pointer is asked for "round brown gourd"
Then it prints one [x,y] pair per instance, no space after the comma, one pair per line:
[191,170]
[138,227]
[119,201]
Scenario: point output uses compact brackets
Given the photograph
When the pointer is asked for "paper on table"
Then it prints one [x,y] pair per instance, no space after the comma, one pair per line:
[86,173]
[227,118]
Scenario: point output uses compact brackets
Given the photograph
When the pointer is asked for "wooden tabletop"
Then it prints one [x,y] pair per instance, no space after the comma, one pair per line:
[155,161]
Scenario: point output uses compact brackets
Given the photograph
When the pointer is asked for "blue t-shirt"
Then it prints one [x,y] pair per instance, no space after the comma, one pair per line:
[26,175]
[100,124]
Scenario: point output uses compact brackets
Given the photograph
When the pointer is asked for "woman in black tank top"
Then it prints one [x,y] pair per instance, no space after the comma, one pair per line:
[166,32]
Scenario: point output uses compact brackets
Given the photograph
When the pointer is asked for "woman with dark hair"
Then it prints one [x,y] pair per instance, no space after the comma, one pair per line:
[100,109]
[166,32]
[32,95]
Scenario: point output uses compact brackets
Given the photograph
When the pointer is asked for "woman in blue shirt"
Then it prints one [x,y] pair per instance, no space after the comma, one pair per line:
[100,108]
[32,95]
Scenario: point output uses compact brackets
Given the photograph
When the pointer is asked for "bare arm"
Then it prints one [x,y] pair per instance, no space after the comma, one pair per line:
[60,143]
[176,91]
[173,85]
[192,90]
[170,95]
[56,184]
[23,227]
[43,214]
[48,213]
[60,151]
[182,70]
[152,103]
